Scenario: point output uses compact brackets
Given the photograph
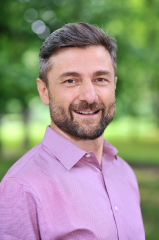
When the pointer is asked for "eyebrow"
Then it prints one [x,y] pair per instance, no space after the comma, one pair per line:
[76,74]
[68,74]
[101,73]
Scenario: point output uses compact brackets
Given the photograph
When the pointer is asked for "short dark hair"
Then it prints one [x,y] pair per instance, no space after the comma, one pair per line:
[74,35]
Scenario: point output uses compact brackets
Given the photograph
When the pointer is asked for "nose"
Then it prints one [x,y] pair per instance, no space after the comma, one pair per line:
[88,92]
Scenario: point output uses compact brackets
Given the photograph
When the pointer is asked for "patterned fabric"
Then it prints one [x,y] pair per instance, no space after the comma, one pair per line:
[57,191]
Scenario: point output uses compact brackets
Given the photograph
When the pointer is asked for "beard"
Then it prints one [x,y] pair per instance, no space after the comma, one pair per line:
[87,129]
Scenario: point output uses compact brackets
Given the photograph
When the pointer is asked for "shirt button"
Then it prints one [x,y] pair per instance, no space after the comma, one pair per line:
[88,155]
[116,208]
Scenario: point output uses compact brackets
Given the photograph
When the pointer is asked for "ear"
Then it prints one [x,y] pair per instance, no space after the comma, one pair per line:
[43,91]
[115,81]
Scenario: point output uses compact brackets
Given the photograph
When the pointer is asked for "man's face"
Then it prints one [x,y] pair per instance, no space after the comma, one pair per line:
[82,91]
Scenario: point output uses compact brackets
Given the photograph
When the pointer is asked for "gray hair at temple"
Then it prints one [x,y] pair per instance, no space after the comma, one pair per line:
[74,35]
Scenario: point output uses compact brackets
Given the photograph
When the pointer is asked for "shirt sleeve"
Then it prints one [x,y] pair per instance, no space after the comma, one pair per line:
[18,212]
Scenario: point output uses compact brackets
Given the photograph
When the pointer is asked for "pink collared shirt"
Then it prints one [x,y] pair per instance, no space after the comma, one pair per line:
[58,191]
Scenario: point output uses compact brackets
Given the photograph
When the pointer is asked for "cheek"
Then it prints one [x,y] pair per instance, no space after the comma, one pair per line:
[71,97]
[107,96]
[65,95]
[62,102]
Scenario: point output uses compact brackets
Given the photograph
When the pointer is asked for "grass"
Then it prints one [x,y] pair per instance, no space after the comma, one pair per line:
[137,140]
[138,151]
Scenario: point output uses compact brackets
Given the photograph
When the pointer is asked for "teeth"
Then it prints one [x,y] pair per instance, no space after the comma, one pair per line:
[82,112]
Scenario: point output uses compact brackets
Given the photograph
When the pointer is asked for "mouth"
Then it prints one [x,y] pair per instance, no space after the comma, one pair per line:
[86,112]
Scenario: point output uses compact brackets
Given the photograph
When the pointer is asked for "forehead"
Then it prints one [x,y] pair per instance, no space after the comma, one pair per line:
[88,59]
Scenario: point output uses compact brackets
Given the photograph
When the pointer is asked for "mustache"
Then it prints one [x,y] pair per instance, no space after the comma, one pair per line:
[86,106]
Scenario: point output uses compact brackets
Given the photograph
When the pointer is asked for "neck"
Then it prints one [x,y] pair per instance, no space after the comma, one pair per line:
[95,145]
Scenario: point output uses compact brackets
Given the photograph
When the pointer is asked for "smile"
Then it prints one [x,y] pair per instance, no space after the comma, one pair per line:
[86,112]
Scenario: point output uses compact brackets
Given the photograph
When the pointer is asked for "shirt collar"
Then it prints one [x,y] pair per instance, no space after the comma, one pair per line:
[109,149]
[67,152]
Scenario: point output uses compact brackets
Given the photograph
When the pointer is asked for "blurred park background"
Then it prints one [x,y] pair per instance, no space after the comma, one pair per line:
[24,24]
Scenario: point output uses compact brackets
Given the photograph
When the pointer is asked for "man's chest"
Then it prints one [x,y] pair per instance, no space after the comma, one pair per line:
[82,207]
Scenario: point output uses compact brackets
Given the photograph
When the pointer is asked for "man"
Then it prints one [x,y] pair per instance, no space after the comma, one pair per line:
[72,185]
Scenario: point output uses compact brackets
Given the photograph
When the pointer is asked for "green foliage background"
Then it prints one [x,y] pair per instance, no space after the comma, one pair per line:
[134,23]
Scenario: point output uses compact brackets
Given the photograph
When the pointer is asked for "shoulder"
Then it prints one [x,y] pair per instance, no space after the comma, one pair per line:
[30,168]
[21,163]
[14,182]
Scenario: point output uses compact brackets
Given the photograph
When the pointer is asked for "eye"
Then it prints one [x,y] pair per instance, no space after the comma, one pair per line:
[70,81]
[101,80]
